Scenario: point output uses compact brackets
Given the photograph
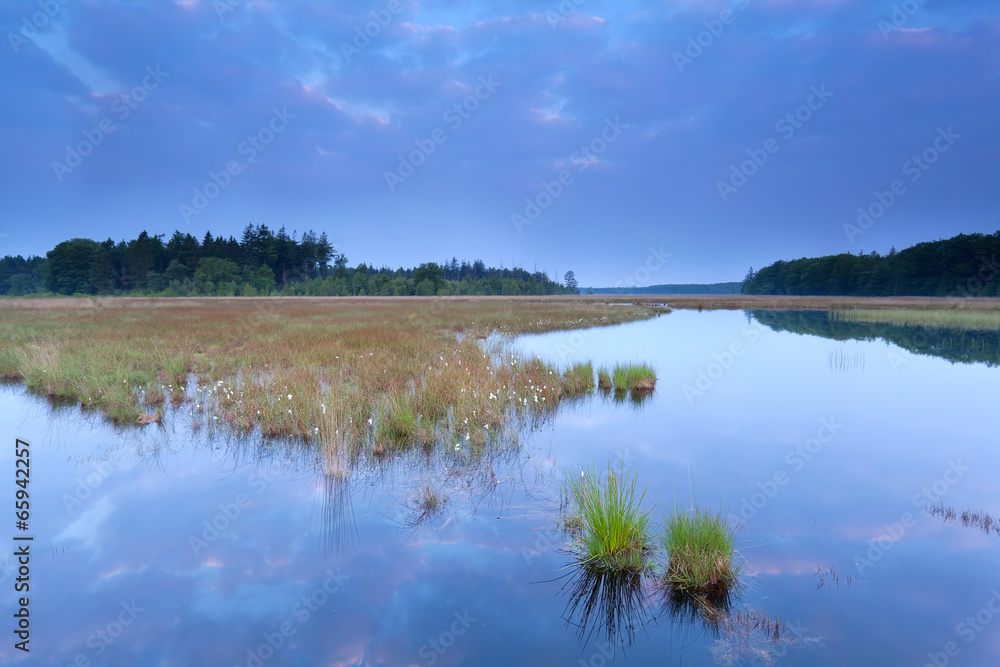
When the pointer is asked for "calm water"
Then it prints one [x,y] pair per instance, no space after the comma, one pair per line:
[826,450]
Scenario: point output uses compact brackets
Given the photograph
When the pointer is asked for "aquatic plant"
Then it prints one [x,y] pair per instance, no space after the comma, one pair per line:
[425,503]
[614,533]
[327,371]
[428,500]
[398,423]
[619,376]
[701,547]
[604,382]
[635,377]
[578,380]
[641,377]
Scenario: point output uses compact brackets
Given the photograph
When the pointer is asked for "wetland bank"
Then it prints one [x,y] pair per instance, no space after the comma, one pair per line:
[247,539]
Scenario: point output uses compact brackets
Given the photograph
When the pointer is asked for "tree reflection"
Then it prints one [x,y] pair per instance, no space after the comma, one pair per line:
[954,344]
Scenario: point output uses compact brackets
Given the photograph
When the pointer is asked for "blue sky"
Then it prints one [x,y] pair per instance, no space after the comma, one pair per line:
[584,135]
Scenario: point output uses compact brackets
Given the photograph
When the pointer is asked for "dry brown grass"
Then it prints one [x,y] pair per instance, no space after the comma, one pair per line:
[383,374]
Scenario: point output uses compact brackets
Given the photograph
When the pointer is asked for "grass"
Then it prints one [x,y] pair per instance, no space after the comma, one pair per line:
[635,377]
[428,500]
[426,503]
[353,374]
[772,302]
[578,380]
[614,531]
[398,423]
[619,378]
[969,320]
[701,547]
[604,381]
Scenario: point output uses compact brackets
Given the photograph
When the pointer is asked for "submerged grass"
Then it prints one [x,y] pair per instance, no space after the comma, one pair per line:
[343,373]
[614,531]
[701,547]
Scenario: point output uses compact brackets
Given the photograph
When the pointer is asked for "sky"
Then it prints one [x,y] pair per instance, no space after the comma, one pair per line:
[633,142]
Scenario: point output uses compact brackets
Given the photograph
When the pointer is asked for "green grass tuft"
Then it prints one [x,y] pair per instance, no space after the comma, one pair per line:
[701,546]
[604,382]
[398,424]
[633,377]
[614,531]
[578,380]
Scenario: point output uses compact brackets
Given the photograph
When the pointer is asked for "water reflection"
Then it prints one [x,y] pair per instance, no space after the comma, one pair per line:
[616,606]
[955,345]
[706,611]
[612,604]
[968,518]
[338,525]
[116,511]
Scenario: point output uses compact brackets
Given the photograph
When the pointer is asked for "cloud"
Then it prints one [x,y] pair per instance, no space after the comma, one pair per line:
[55,42]
[356,115]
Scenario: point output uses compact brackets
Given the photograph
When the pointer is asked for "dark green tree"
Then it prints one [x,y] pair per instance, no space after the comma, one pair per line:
[431,272]
[68,267]
[570,281]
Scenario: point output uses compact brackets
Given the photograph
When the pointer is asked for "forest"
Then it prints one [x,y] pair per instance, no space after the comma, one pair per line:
[962,266]
[262,262]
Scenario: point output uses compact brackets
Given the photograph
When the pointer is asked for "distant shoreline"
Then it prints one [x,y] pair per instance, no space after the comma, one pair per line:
[677,302]
[670,289]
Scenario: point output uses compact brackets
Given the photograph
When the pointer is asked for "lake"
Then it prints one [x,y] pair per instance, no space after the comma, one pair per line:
[830,444]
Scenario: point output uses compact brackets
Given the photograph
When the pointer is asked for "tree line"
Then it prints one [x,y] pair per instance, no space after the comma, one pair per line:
[262,262]
[964,265]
